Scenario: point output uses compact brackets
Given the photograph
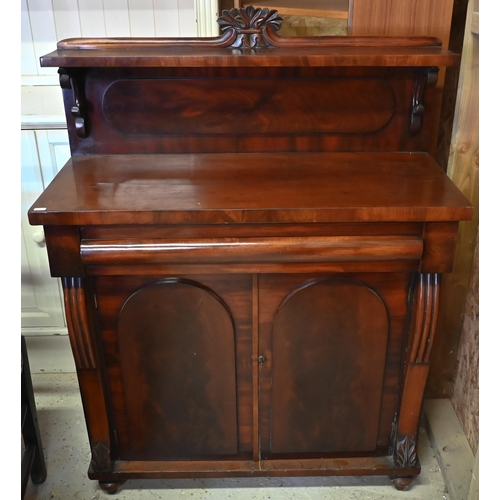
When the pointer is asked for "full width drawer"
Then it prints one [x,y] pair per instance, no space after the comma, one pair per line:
[251,250]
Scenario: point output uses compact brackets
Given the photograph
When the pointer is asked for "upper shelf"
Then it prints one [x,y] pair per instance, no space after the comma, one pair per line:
[165,56]
[249,39]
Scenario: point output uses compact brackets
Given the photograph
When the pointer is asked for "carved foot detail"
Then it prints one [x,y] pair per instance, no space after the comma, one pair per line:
[109,487]
[406,452]
[402,482]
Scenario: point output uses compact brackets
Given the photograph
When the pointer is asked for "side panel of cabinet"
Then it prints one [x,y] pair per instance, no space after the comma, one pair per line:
[173,349]
[332,348]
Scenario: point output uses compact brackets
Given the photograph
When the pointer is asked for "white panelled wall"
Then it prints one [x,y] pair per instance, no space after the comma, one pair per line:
[207,13]
[44,141]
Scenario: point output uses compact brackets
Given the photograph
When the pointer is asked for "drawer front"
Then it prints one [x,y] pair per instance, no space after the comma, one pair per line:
[252,250]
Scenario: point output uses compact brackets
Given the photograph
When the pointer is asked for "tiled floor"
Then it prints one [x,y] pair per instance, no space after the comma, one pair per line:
[66,452]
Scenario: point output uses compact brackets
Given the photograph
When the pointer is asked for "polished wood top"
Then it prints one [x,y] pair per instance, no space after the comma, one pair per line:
[250,188]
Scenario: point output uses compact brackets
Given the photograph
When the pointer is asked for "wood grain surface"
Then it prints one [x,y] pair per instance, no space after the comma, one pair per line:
[246,256]
[153,189]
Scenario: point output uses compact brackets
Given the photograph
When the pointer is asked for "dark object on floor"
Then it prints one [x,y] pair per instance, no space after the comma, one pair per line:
[33,461]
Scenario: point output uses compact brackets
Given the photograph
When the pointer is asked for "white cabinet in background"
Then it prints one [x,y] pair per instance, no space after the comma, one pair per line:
[43,153]
[44,150]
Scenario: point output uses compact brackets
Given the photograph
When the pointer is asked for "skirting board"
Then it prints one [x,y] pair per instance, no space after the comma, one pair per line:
[458,464]
[50,354]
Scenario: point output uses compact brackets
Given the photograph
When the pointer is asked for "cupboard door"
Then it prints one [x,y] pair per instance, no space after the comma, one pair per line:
[170,352]
[326,366]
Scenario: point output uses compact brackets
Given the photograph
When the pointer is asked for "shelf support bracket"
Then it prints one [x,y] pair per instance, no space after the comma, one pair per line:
[426,77]
[74,82]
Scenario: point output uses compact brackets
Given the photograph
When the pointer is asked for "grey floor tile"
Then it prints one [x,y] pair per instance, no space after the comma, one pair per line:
[67,455]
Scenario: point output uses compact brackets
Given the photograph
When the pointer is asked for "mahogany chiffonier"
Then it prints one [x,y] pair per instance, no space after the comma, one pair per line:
[250,234]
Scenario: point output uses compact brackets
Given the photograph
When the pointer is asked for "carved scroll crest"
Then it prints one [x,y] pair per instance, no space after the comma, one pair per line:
[250,25]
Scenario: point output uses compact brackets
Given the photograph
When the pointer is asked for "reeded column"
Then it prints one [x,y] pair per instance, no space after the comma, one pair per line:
[424,314]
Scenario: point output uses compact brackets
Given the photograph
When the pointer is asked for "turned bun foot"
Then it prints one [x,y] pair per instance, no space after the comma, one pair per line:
[109,487]
[402,482]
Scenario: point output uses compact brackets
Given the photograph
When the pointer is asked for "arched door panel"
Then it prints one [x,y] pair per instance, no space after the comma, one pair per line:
[177,351]
[329,342]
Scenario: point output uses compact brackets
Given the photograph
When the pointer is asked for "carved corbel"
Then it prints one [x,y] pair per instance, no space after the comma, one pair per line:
[78,323]
[72,81]
[426,77]
[424,314]
[250,24]
[90,380]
